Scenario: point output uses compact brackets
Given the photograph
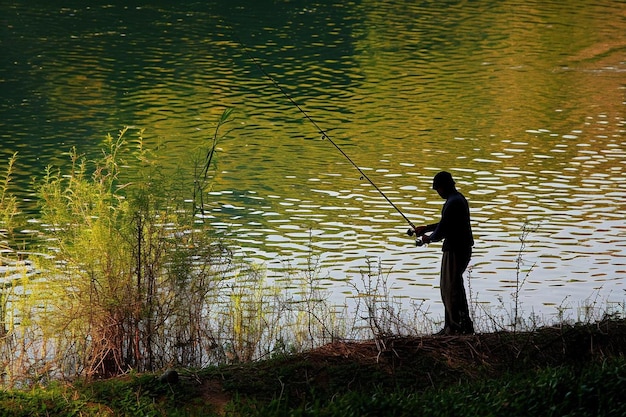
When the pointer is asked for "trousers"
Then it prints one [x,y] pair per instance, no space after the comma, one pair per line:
[457,315]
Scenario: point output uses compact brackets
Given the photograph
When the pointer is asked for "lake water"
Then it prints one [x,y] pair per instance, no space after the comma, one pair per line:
[523,101]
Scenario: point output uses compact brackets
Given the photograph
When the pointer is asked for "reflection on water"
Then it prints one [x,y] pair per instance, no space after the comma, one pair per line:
[522,101]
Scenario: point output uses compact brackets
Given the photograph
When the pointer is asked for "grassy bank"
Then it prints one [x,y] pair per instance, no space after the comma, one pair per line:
[576,370]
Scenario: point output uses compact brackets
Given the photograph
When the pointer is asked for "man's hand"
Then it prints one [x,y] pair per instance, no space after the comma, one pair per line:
[426,239]
[417,231]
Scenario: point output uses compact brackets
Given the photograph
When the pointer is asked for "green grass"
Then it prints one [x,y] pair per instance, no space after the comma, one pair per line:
[595,389]
[570,371]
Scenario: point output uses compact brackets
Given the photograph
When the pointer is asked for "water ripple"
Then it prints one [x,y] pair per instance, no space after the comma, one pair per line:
[524,111]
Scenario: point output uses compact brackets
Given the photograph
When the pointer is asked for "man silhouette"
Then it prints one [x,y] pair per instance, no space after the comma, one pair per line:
[456,232]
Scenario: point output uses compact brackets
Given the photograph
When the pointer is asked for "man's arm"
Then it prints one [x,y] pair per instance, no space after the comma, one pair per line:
[445,226]
[420,230]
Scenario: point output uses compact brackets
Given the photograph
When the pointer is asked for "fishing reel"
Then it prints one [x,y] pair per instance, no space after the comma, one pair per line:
[418,239]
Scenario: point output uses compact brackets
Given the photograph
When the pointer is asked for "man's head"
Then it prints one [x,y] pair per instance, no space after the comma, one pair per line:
[443,184]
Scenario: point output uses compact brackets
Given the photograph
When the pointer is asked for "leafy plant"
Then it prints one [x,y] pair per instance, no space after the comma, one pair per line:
[8,203]
[129,276]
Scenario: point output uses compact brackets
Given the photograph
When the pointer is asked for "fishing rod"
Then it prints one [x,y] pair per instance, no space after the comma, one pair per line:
[323,133]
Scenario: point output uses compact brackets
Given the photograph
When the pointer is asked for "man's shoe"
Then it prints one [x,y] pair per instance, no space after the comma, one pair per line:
[443,332]
[447,331]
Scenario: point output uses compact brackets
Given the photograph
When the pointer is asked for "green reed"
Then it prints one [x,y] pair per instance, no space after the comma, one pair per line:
[128,276]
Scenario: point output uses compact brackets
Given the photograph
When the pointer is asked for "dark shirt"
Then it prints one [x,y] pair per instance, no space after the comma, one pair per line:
[454,226]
